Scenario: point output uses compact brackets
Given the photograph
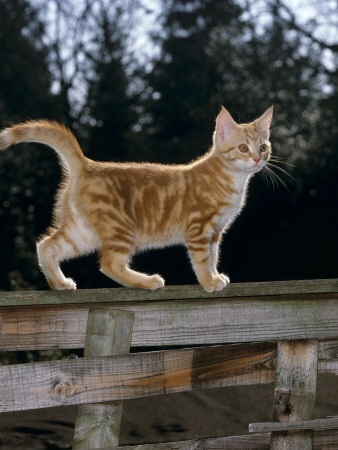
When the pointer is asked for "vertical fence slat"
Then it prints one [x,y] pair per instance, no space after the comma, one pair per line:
[108,333]
[295,391]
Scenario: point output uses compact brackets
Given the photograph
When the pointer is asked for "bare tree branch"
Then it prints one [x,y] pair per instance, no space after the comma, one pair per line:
[292,23]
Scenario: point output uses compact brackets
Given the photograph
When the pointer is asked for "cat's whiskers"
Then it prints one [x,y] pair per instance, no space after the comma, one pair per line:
[271,173]
[275,178]
[280,169]
[277,159]
[268,174]
[265,176]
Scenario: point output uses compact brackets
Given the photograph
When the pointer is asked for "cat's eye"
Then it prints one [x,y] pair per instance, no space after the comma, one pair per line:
[243,148]
[263,148]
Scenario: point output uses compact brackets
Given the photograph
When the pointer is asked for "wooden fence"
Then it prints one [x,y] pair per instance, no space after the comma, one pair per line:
[282,332]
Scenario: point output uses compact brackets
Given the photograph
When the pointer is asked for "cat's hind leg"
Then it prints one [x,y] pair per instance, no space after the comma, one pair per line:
[51,251]
[114,264]
[73,239]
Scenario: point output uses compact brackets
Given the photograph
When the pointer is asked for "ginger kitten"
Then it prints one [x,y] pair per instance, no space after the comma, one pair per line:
[121,208]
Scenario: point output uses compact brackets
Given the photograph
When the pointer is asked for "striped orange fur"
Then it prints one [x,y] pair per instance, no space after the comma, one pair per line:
[121,208]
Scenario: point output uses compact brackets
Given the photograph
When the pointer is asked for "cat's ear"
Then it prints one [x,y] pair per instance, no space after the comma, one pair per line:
[225,124]
[264,122]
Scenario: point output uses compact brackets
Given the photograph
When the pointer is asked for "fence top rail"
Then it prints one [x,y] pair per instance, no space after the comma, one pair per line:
[82,296]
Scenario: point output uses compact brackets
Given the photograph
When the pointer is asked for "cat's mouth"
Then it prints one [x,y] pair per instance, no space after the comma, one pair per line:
[257,164]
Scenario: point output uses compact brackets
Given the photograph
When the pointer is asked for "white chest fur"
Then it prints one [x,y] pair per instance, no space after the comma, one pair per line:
[229,212]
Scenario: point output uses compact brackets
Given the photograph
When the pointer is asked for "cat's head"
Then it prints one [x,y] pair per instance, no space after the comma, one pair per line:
[245,147]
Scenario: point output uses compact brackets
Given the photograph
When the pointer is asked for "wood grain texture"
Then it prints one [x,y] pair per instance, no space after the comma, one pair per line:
[327,440]
[295,392]
[253,442]
[26,298]
[329,423]
[178,322]
[135,375]
[100,379]
[328,356]
[108,332]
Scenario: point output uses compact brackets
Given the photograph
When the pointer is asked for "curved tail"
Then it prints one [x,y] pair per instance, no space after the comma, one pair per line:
[57,136]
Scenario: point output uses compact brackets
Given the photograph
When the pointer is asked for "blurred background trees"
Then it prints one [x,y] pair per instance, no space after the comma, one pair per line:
[144,81]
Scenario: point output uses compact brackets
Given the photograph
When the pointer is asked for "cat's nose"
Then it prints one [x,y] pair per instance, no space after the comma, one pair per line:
[256,159]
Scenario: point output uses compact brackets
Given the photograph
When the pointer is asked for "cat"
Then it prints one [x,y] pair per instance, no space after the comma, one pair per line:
[122,208]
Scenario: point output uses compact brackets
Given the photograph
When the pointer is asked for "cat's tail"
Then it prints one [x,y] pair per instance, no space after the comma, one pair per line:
[57,136]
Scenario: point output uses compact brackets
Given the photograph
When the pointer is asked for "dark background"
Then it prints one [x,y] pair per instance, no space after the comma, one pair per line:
[82,66]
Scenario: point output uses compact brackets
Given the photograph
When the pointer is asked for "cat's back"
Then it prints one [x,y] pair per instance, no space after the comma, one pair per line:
[131,173]
[102,183]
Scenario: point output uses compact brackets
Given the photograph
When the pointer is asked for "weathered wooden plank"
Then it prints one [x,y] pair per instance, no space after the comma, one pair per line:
[328,356]
[99,379]
[25,298]
[253,442]
[108,333]
[295,392]
[230,365]
[178,322]
[130,376]
[327,440]
[329,423]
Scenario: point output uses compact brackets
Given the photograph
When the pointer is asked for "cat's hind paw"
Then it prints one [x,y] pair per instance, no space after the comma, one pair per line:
[66,285]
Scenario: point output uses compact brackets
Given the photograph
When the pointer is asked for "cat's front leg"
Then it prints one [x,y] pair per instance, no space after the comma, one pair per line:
[214,254]
[200,255]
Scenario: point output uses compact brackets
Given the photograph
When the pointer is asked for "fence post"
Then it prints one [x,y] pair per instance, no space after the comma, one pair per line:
[108,333]
[295,391]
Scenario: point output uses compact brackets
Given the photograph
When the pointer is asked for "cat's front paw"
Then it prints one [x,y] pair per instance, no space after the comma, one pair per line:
[225,278]
[216,283]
